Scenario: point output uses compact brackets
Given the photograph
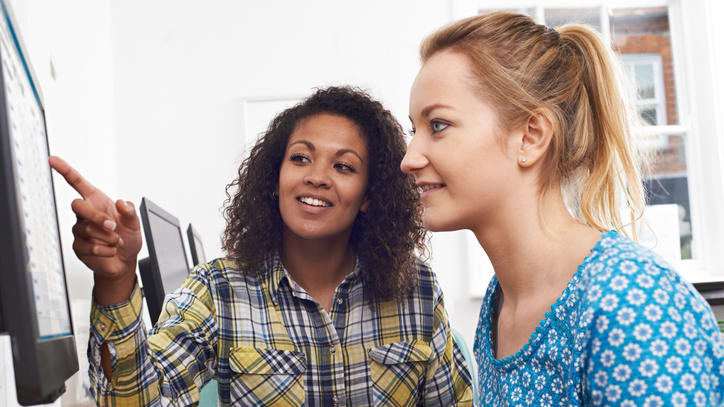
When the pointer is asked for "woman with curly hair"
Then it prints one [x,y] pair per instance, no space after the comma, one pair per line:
[320,300]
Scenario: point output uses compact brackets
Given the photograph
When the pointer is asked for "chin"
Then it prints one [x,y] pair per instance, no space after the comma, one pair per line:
[438,219]
[312,233]
[438,225]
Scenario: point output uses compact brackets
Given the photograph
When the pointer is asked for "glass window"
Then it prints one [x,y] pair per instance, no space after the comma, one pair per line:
[667,183]
[529,11]
[641,37]
[555,17]
[656,39]
[644,71]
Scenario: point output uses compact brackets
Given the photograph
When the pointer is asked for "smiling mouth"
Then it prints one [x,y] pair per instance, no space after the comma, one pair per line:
[314,201]
[427,187]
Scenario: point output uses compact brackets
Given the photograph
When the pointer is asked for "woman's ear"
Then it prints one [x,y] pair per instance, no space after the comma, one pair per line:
[536,137]
[365,205]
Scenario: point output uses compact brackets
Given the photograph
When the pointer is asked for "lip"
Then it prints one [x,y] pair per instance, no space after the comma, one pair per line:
[426,193]
[310,208]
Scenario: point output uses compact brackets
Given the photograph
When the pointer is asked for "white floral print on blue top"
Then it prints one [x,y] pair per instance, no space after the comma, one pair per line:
[627,330]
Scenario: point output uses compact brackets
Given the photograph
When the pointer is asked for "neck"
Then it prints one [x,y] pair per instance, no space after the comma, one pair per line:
[319,266]
[534,245]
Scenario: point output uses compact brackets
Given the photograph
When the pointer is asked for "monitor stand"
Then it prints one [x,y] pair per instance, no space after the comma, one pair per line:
[152,288]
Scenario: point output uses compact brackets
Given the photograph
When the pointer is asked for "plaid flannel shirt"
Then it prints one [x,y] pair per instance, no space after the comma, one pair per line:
[269,343]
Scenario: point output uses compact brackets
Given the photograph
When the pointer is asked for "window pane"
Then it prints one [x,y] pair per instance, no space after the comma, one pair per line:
[643,33]
[648,114]
[666,181]
[529,11]
[559,16]
[644,76]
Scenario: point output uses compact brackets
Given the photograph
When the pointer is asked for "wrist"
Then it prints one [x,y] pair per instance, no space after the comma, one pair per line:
[111,291]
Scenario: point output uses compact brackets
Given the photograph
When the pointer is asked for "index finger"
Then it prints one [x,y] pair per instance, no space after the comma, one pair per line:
[72,176]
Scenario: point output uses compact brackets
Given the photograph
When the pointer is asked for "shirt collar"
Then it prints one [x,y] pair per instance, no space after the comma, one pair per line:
[275,273]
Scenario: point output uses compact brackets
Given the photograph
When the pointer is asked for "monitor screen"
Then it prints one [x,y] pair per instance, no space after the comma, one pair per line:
[169,251]
[34,297]
[34,192]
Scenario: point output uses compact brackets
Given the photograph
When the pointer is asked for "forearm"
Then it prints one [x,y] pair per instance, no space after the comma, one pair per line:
[120,365]
[109,292]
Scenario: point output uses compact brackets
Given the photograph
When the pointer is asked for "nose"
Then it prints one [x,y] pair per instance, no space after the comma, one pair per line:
[414,159]
[317,177]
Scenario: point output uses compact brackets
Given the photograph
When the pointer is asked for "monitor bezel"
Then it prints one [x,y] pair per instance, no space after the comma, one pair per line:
[192,234]
[41,365]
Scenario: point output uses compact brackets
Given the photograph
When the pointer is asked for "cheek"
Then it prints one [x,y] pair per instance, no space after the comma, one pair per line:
[352,194]
[287,179]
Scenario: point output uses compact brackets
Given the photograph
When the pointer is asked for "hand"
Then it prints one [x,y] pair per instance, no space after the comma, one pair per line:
[107,236]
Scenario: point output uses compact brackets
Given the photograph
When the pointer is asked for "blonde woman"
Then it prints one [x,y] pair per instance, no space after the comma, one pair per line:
[506,114]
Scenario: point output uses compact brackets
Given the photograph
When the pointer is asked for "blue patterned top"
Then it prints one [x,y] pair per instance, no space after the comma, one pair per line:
[627,330]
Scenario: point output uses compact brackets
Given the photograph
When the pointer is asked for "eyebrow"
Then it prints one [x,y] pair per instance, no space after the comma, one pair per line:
[428,109]
[339,153]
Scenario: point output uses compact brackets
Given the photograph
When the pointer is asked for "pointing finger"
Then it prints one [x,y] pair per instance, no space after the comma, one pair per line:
[71,176]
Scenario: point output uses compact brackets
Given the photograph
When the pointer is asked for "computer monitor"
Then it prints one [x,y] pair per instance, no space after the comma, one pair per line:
[34,301]
[166,268]
[197,246]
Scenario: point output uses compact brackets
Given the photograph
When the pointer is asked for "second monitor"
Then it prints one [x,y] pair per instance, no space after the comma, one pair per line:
[166,268]
[196,245]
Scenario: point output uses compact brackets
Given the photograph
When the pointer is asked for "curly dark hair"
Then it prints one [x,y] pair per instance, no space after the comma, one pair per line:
[384,237]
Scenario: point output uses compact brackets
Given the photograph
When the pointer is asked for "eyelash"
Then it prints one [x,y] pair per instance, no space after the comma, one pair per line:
[433,123]
[304,159]
[298,157]
[344,167]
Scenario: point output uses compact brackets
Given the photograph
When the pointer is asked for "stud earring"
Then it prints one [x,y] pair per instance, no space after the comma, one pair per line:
[523,159]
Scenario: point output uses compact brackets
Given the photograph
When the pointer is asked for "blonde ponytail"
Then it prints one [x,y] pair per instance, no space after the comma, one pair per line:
[571,72]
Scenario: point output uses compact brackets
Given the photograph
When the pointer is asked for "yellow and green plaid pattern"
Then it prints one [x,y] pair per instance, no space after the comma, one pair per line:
[269,343]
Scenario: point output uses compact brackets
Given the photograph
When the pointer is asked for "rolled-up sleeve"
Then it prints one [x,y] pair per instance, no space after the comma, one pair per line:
[174,361]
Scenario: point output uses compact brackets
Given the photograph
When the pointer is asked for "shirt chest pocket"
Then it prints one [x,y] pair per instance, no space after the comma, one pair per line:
[267,377]
[397,370]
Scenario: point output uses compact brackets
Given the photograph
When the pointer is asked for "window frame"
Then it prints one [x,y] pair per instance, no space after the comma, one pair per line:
[694,66]
[659,99]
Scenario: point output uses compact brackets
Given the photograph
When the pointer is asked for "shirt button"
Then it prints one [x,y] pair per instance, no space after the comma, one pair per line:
[340,301]
[102,326]
[335,400]
[331,350]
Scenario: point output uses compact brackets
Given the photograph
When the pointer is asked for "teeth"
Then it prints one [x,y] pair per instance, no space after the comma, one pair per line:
[428,187]
[314,201]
